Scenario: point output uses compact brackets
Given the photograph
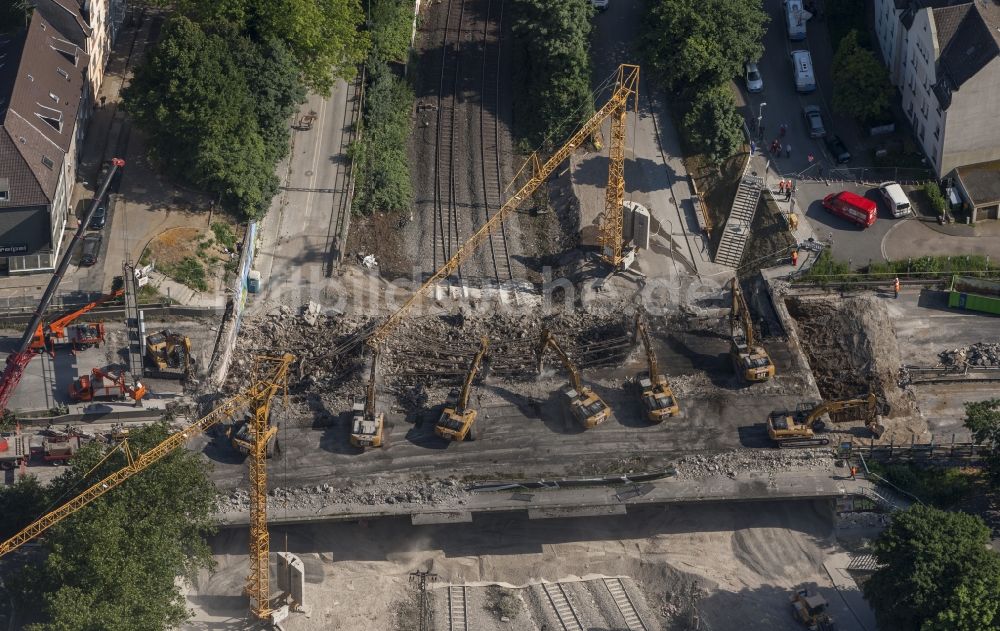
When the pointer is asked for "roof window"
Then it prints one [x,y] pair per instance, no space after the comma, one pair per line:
[47,161]
[51,116]
[65,75]
[4,189]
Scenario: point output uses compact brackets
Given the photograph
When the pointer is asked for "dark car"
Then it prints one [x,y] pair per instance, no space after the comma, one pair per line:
[89,249]
[814,121]
[837,149]
[100,217]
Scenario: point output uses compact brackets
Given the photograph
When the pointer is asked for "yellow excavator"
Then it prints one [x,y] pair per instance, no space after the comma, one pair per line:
[751,361]
[811,610]
[657,396]
[457,417]
[799,428]
[587,408]
[368,425]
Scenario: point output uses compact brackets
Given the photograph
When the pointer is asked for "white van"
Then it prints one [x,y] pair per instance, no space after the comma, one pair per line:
[895,199]
[802,68]
[795,20]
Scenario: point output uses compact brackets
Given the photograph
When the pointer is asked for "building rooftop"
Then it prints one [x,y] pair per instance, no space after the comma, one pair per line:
[968,37]
[981,181]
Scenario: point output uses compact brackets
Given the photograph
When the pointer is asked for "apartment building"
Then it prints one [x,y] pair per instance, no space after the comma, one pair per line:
[43,110]
[944,57]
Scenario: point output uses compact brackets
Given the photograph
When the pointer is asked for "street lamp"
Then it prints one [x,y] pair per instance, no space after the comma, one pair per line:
[760,121]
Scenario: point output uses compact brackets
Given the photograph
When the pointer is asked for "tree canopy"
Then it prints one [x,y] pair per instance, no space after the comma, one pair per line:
[712,125]
[551,68]
[216,105]
[695,44]
[983,420]
[937,573]
[323,35]
[861,87]
[112,566]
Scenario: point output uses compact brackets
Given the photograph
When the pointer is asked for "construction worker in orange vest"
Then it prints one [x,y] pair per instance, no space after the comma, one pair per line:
[895,286]
[795,258]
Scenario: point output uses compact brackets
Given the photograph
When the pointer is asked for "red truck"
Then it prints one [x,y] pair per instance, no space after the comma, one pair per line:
[851,207]
[59,450]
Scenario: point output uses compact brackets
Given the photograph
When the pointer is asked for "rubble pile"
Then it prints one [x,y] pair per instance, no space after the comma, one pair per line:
[373,493]
[754,461]
[980,354]
[863,520]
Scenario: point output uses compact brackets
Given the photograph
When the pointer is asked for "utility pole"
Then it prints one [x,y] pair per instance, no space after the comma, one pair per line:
[421,577]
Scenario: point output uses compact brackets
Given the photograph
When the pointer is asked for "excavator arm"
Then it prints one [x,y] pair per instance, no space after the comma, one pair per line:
[741,315]
[370,388]
[139,463]
[531,175]
[654,367]
[463,397]
[549,341]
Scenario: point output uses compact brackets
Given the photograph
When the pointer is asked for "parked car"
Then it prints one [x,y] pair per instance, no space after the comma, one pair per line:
[100,217]
[600,5]
[802,71]
[814,121]
[837,149]
[895,198]
[852,207]
[90,249]
[755,83]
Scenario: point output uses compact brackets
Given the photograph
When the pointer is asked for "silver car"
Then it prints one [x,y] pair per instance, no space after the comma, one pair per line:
[814,121]
[755,83]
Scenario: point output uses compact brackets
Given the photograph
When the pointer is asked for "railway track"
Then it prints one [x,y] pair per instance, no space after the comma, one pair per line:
[447,233]
[489,131]
[618,592]
[458,608]
[565,613]
[343,182]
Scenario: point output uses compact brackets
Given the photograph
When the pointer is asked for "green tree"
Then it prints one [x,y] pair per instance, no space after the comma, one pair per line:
[215,106]
[383,181]
[13,15]
[694,44]
[20,504]
[937,571]
[712,125]
[113,565]
[983,420]
[861,87]
[551,68]
[324,36]
[390,25]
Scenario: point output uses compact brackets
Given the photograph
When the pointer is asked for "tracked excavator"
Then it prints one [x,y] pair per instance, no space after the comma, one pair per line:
[751,361]
[657,397]
[799,428]
[457,418]
[587,408]
[368,425]
[168,353]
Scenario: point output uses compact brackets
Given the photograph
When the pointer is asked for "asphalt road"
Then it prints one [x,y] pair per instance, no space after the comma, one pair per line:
[851,243]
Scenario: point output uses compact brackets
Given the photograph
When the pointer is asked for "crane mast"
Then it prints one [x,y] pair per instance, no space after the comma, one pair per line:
[136,463]
[531,175]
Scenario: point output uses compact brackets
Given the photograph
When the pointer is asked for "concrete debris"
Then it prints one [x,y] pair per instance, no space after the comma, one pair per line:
[980,354]
[863,520]
[373,492]
[739,461]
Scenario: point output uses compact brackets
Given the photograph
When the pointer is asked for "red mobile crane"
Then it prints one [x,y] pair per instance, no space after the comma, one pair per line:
[18,360]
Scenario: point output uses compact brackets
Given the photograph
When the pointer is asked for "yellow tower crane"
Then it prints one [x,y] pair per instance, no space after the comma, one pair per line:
[532,174]
[272,375]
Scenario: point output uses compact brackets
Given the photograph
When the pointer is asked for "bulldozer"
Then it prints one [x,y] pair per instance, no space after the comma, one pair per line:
[811,610]
[798,428]
[241,440]
[368,425]
[457,418]
[169,353]
[751,361]
[657,397]
[587,408]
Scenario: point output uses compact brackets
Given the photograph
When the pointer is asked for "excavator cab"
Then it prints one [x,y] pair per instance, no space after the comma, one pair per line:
[368,424]
[457,418]
[811,610]
[587,408]
[241,440]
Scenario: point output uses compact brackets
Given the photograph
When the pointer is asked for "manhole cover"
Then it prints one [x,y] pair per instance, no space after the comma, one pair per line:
[309,173]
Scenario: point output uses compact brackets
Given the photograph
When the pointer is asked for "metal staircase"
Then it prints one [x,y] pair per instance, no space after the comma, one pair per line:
[736,232]
[133,322]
